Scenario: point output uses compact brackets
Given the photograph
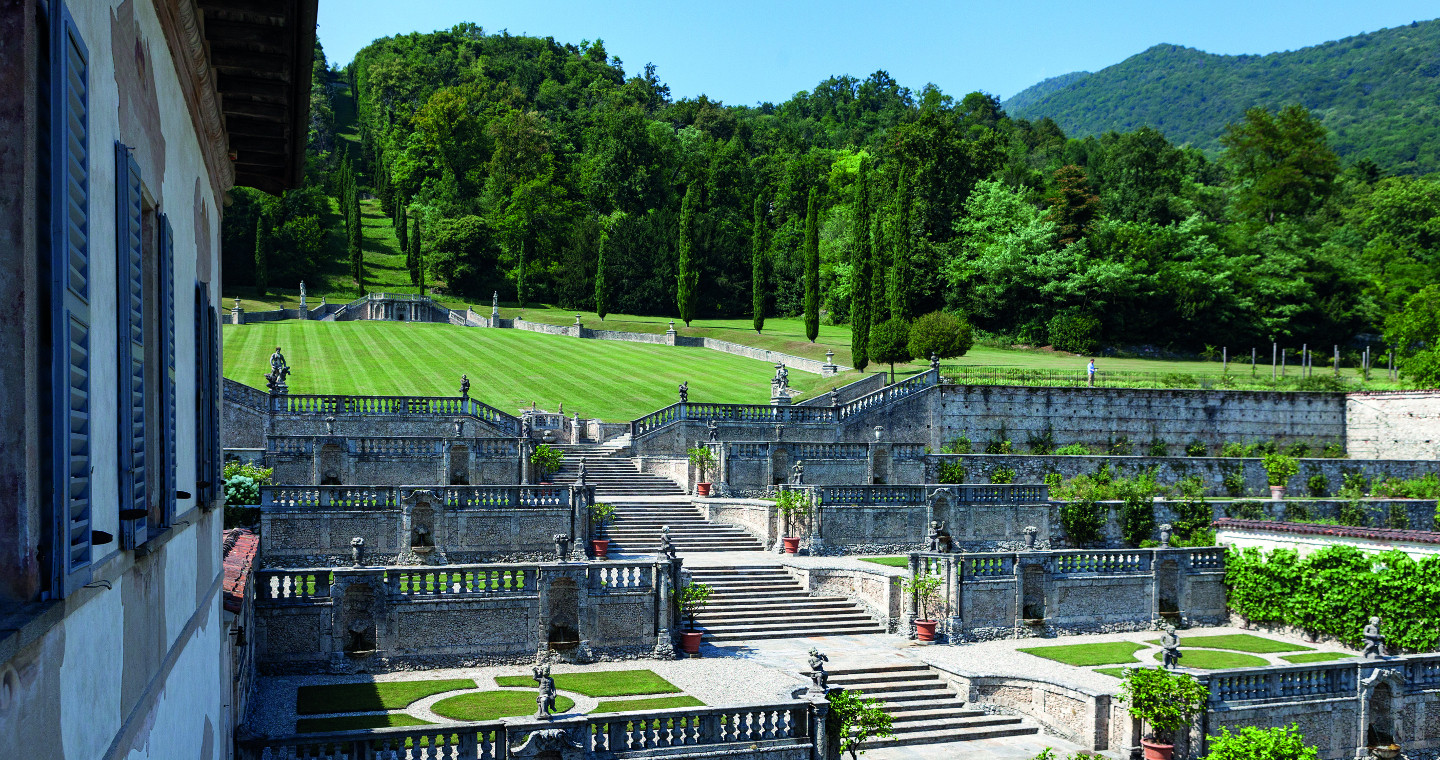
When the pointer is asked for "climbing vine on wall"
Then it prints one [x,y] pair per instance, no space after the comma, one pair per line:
[1333,591]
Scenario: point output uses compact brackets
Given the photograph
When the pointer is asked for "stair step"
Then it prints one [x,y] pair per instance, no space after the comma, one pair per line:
[953,735]
[896,668]
[981,721]
[765,633]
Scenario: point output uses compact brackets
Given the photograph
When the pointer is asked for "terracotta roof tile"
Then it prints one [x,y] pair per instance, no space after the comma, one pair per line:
[240,546]
[1339,531]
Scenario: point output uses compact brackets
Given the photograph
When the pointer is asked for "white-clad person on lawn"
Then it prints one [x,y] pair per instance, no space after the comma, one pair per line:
[1090,373]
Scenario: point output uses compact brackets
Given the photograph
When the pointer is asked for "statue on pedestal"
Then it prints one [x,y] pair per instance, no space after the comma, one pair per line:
[1170,648]
[819,679]
[545,697]
[685,392]
[464,386]
[797,472]
[1374,648]
[279,370]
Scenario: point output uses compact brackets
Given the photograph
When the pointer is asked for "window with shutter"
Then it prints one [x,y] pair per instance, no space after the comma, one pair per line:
[130,266]
[66,100]
[207,429]
[167,369]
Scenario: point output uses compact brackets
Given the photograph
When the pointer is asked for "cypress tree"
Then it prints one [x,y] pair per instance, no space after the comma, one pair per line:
[602,284]
[758,292]
[687,275]
[402,218]
[262,252]
[357,256]
[812,268]
[419,259]
[412,254]
[879,306]
[860,289]
[900,265]
[520,271]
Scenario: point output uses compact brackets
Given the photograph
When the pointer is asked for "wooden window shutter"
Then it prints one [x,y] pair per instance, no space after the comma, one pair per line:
[167,377]
[69,217]
[130,266]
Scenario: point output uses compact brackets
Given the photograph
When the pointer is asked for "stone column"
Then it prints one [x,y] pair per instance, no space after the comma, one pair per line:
[954,578]
[670,334]
[909,599]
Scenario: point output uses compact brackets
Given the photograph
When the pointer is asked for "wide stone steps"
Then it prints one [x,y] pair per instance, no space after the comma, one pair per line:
[923,708]
[612,474]
[636,528]
[749,603]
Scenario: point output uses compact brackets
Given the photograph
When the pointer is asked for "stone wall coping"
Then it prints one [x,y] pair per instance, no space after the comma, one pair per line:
[1339,531]
[991,678]
[843,564]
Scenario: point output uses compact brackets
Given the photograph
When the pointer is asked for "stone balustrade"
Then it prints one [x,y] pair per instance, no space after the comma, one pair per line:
[432,406]
[1034,593]
[902,495]
[319,498]
[792,730]
[290,586]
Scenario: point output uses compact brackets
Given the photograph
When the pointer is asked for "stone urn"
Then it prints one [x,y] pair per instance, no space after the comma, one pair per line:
[1277,493]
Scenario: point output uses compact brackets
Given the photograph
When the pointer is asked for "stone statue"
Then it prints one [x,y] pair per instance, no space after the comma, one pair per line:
[934,361]
[330,425]
[357,551]
[1170,648]
[666,547]
[797,472]
[939,539]
[525,428]
[495,307]
[302,291]
[685,392]
[712,431]
[562,546]
[279,370]
[420,537]
[464,386]
[545,698]
[561,408]
[580,478]
[819,679]
[782,376]
[1374,648]
[834,397]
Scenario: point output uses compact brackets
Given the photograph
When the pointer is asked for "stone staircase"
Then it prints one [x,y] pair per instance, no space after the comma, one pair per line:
[612,473]
[764,602]
[636,529]
[924,709]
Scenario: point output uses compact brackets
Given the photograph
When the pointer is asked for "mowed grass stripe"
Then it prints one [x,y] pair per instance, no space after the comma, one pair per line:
[508,369]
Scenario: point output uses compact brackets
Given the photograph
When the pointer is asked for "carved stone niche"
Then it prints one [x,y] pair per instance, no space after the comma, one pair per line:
[1381,701]
[331,464]
[418,527]
[359,620]
[459,465]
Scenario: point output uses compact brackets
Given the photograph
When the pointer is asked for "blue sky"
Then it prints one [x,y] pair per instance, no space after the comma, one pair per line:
[749,51]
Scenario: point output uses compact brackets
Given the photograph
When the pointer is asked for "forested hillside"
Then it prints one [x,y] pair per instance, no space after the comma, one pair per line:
[540,169]
[1375,92]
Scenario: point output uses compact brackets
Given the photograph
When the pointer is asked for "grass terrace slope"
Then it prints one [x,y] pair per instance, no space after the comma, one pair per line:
[508,368]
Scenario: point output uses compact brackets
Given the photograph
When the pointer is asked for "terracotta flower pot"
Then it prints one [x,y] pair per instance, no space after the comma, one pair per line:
[601,546]
[1157,751]
[1277,493]
[925,630]
[702,489]
[792,545]
[690,641]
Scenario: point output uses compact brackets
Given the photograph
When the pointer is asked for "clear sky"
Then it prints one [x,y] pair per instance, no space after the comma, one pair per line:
[749,51]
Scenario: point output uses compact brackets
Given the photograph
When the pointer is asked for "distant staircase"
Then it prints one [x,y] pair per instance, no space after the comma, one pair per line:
[611,472]
[636,529]
[764,602]
[923,708]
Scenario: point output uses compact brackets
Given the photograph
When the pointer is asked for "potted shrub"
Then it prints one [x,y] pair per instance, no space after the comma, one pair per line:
[926,588]
[546,461]
[1163,700]
[793,506]
[693,598]
[1279,468]
[600,515]
[703,460]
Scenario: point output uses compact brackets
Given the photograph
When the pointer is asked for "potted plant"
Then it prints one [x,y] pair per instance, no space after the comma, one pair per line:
[1163,700]
[546,461]
[1279,468]
[693,598]
[703,460]
[926,588]
[600,515]
[793,506]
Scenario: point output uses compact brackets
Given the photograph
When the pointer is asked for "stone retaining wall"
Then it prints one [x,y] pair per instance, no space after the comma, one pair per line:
[1092,719]
[394,460]
[1403,424]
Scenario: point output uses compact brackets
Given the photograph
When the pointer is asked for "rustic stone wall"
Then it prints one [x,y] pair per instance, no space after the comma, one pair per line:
[322,536]
[1393,425]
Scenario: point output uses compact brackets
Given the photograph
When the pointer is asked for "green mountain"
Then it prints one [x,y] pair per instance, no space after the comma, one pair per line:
[1377,93]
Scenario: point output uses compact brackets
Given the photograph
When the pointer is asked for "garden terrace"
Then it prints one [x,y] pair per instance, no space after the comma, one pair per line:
[382,616]
[1020,594]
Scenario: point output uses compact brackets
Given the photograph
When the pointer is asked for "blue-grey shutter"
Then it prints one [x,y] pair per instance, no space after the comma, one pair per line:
[69,186]
[167,368]
[130,268]
[207,398]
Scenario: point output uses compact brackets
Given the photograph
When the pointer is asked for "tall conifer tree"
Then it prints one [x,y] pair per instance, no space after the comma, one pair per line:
[602,282]
[262,252]
[901,246]
[860,289]
[758,292]
[412,256]
[687,274]
[812,267]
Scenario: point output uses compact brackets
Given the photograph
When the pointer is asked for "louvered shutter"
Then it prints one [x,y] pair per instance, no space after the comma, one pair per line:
[207,429]
[70,307]
[130,266]
[167,377]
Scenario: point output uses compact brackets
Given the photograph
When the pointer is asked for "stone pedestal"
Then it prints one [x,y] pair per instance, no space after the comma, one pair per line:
[829,368]
[670,334]
[237,313]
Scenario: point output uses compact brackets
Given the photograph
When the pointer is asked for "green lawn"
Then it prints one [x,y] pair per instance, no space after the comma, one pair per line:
[492,705]
[604,683]
[1315,657]
[653,703]
[366,697]
[508,369]
[1240,642]
[1115,672]
[1087,655]
[356,722]
[888,561]
[1214,659]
